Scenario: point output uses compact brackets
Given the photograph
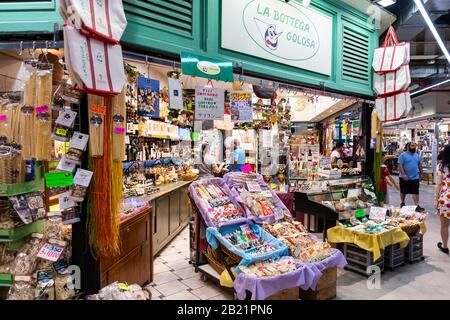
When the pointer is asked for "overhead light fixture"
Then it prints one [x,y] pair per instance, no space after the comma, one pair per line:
[430,24]
[386,3]
[430,87]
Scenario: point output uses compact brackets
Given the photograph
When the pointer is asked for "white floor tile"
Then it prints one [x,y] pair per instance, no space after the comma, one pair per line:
[171,287]
[184,295]
[164,277]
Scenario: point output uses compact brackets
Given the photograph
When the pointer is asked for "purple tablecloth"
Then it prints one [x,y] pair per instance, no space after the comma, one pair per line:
[288,199]
[305,278]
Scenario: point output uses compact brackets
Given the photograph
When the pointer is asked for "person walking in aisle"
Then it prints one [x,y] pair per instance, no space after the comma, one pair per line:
[410,168]
[442,197]
[237,160]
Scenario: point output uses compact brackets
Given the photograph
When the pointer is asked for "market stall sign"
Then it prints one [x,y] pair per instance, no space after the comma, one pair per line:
[360,213]
[209,103]
[287,33]
[241,106]
[58,179]
[198,66]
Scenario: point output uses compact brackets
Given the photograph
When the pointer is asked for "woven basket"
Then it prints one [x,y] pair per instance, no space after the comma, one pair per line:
[234,257]
[411,230]
[211,256]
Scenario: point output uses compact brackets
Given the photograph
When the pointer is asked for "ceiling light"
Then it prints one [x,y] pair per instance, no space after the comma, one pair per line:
[433,30]
[386,3]
[430,87]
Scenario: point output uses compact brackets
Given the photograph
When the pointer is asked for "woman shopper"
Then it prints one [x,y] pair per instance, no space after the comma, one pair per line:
[442,198]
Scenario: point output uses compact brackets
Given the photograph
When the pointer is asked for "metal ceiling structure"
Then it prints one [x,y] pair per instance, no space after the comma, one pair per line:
[428,64]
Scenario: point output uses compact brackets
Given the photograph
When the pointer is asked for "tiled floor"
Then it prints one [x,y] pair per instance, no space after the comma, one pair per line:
[175,279]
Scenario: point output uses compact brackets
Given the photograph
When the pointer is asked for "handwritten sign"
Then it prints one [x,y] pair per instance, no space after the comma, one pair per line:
[209,103]
[377,213]
[50,252]
[98,109]
[253,186]
[241,106]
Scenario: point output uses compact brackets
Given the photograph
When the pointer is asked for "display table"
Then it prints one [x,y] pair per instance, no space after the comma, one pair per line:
[371,242]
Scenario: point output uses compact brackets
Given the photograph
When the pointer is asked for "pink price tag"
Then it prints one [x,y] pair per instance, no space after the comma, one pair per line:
[3,117]
[41,109]
[210,209]
[119,130]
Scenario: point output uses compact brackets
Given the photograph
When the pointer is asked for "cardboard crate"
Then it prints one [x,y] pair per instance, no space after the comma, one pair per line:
[325,288]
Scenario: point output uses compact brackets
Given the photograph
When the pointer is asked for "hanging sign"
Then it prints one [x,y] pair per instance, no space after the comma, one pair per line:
[284,32]
[209,103]
[377,213]
[148,97]
[241,106]
[197,66]
[175,94]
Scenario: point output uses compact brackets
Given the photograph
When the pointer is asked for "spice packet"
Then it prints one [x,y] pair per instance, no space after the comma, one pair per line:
[81,182]
[64,125]
[78,145]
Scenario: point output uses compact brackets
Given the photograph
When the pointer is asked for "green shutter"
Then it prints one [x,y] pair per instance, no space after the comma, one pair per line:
[174,16]
[356,64]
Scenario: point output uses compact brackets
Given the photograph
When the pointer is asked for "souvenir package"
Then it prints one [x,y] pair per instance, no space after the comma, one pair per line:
[66,165]
[81,182]
[64,286]
[25,261]
[45,285]
[118,108]
[53,227]
[97,111]
[245,239]
[43,113]
[121,291]
[70,216]
[22,289]
[218,204]
[272,267]
[29,206]
[77,147]
[64,125]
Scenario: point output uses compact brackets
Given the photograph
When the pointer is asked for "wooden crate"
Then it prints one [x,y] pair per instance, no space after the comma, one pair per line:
[286,294]
[325,288]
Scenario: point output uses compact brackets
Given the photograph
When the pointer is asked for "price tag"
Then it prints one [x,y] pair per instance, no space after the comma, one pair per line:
[3,117]
[377,213]
[119,130]
[50,252]
[58,179]
[61,132]
[98,109]
[407,210]
[253,186]
[41,109]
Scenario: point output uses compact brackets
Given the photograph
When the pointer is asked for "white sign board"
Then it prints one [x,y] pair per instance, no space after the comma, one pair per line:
[209,103]
[284,32]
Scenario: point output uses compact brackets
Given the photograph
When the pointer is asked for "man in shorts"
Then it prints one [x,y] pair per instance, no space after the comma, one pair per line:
[410,168]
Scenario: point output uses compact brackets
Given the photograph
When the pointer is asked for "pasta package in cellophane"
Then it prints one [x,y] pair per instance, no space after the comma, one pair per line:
[118,113]
[43,114]
[97,112]
[27,117]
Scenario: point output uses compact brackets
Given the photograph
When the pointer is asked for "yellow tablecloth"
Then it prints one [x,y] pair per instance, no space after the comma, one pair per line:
[370,242]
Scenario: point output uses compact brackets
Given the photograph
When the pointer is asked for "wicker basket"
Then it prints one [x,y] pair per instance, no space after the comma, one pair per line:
[234,257]
[211,256]
[411,230]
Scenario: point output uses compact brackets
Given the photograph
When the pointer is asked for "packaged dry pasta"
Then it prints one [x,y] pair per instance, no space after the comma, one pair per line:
[25,261]
[22,289]
[43,111]
[118,108]
[12,167]
[81,183]
[64,286]
[45,284]
[77,147]
[97,111]
[53,226]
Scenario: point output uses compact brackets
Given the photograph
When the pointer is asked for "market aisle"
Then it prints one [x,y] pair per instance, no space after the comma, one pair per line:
[422,280]
[175,279]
